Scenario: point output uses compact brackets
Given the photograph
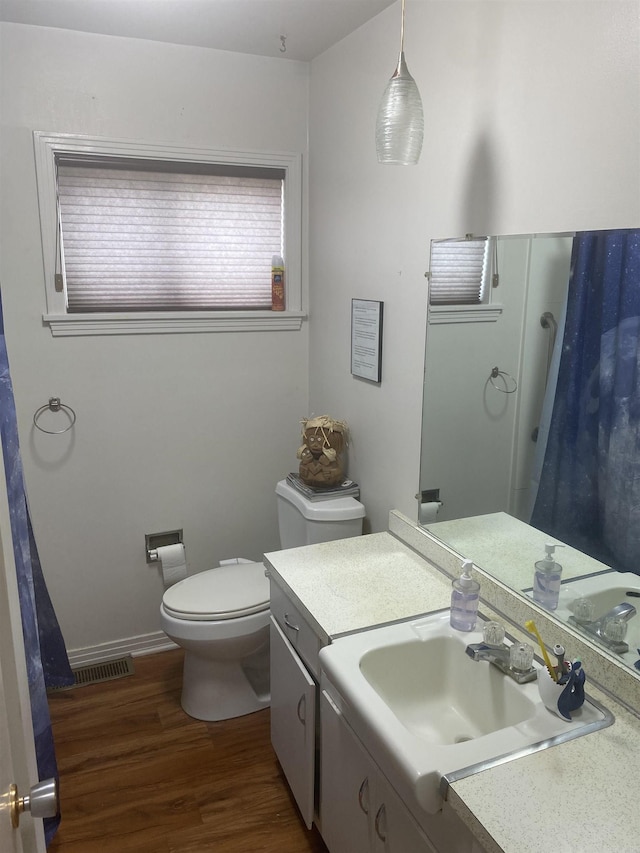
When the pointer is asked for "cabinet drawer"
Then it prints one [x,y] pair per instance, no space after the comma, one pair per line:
[296,629]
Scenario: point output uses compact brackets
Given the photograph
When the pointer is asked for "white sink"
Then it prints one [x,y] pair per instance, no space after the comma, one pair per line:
[419,681]
[429,714]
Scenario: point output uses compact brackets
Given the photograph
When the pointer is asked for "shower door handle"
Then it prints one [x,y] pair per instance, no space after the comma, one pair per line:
[42,801]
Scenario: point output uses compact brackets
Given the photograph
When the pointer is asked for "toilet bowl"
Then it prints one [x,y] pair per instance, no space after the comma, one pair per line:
[220,617]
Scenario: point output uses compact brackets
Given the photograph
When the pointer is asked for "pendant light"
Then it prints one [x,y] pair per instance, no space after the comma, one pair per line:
[400,122]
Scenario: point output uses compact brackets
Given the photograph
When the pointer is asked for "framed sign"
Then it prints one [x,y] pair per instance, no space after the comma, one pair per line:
[366,339]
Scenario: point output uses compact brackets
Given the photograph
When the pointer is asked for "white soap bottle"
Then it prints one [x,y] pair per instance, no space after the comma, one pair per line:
[547,578]
[464,600]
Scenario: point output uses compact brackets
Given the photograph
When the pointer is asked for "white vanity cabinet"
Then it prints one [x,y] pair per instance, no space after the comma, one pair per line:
[361,813]
[318,593]
[294,674]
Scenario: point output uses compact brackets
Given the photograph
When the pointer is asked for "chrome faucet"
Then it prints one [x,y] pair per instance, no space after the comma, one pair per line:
[610,635]
[515,661]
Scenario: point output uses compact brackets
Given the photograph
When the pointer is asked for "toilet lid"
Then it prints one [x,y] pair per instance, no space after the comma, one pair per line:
[225,592]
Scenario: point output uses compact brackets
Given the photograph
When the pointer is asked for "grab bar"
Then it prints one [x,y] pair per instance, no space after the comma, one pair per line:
[548,321]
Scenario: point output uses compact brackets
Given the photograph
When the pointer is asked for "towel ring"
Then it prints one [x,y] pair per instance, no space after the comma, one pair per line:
[54,405]
[494,375]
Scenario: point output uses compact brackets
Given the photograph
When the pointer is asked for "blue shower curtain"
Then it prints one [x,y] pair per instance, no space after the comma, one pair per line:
[589,493]
[46,655]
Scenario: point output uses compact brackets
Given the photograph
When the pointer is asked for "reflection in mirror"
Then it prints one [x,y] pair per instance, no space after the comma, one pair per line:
[514,434]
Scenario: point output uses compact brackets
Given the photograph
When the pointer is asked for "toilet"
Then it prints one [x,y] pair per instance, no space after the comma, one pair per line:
[220,616]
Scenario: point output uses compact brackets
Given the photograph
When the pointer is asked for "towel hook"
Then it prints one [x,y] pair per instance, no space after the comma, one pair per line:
[55,405]
[495,372]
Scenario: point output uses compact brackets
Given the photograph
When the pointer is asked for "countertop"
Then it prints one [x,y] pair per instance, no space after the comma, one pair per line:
[356,583]
[572,797]
[509,548]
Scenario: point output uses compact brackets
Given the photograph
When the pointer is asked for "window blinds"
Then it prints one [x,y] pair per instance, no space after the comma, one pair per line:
[458,271]
[145,236]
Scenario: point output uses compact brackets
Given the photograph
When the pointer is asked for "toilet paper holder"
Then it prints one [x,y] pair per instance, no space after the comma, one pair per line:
[153,541]
[428,495]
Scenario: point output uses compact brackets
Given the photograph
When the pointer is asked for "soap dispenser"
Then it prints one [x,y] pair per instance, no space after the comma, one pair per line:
[464,600]
[546,580]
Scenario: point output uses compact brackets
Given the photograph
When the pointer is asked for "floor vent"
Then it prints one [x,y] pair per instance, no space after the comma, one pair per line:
[99,672]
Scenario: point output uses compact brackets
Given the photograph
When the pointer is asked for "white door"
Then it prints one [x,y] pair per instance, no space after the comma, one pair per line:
[17,750]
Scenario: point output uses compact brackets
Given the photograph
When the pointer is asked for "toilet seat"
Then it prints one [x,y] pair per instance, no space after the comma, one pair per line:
[226,592]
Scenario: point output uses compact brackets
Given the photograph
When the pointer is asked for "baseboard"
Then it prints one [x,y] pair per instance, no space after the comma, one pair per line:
[145,644]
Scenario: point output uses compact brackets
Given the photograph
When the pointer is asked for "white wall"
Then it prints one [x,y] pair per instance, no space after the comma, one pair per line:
[183,430]
[468,425]
[532,125]
[476,442]
[548,271]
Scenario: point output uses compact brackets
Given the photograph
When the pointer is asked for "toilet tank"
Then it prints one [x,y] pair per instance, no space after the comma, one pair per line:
[305,522]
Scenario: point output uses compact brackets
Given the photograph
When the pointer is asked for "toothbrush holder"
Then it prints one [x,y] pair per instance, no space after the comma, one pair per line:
[561,699]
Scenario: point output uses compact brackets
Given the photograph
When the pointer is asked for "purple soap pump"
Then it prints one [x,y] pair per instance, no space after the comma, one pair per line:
[547,578]
[465,596]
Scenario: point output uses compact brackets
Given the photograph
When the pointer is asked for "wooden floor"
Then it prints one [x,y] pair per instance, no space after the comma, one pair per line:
[137,775]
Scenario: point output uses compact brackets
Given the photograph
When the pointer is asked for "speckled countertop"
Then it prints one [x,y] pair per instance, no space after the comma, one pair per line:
[359,582]
[573,797]
[509,548]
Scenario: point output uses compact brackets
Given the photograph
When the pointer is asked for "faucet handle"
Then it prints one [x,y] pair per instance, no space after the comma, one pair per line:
[583,610]
[493,634]
[521,657]
[615,629]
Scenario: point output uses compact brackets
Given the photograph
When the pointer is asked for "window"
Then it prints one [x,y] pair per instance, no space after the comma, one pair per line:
[461,278]
[459,271]
[136,237]
[141,238]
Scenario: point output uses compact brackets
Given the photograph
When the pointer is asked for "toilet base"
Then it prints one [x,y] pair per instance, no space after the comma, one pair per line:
[221,689]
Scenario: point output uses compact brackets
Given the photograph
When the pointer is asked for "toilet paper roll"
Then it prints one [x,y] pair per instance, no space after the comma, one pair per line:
[428,512]
[173,562]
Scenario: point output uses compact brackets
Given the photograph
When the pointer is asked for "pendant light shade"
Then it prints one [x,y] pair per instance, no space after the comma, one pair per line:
[400,122]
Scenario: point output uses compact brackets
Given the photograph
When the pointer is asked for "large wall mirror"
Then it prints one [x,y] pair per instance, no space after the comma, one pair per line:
[489,453]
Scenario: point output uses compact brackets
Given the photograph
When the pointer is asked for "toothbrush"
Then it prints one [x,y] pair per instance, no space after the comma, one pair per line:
[531,626]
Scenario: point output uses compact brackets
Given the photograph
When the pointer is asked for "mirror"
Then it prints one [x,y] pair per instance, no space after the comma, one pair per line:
[487,369]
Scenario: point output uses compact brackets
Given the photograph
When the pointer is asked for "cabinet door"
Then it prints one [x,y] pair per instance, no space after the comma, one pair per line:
[359,810]
[347,778]
[395,830]
[293,720]
[446,831]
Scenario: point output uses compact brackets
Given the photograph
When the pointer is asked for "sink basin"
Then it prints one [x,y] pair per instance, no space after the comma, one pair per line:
[429,714]
[605,590]
[420,681]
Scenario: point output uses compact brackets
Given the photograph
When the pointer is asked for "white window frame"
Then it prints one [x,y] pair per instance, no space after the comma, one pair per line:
[48,146]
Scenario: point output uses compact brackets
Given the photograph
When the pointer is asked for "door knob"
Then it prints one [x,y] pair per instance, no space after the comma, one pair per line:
[42,801]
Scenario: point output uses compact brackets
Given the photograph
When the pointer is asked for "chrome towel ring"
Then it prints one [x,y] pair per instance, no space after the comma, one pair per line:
[54,405]
[509,379]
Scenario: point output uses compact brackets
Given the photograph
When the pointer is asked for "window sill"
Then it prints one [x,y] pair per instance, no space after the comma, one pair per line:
[464,314]
[173,323]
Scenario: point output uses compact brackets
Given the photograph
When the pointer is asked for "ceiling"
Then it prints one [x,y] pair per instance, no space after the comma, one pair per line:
[243,26]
